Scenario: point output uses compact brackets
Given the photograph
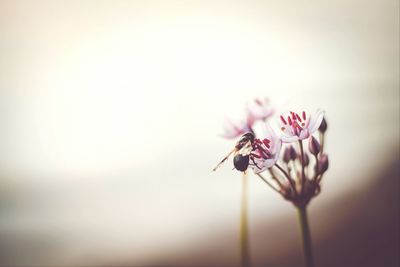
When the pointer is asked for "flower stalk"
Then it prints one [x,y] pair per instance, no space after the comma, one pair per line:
[305,236]
[244,237]
[303,176]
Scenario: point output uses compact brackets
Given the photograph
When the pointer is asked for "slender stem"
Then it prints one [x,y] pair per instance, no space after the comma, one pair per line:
[281,186]
[322,140]
[294,167]
[283,171]
[306,236]
[316,167]
[268,183]
[244,242]
[292,183]
[303,175]
[320,178]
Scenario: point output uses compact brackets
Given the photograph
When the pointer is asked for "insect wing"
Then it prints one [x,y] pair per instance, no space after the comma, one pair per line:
[246,149]
[224,159]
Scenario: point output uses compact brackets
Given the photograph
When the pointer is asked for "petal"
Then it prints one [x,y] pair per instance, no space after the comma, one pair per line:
[269,132]
[251,119]
[266,165]
[315,121]
[269,163]
[258,168]
[304,134]
[233,130]
[259,109]
[289,138]
[276,148]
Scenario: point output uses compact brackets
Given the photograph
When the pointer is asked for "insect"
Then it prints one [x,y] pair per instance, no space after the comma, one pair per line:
[242,152]
[241,162]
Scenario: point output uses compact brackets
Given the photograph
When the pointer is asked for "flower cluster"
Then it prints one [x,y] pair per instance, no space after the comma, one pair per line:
[293,155]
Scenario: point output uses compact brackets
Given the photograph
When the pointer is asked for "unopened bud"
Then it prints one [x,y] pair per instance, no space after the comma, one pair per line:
[306,160]
[322,128]
[289,154]
[313,146]
[323,164]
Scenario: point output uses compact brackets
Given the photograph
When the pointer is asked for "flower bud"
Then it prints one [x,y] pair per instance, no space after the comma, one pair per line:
[323,164]
[306,160]
[313,146]
[289,154]
[323,127]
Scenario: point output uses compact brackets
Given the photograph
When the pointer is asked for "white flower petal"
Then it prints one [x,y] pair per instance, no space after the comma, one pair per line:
[315,121]
[266,165]
[289,138]
[304,134]
[257,171]
[234,129]
[276,147]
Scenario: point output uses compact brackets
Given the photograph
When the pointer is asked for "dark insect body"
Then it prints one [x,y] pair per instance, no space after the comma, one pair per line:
[241,162]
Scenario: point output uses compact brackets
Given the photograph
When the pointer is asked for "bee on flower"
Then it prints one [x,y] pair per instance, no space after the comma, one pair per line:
[295,172]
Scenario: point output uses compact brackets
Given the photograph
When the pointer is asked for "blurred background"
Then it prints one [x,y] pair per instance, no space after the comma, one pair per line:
[110,121]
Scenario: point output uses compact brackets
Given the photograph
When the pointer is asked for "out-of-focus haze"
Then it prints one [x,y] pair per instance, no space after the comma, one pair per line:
[110,115]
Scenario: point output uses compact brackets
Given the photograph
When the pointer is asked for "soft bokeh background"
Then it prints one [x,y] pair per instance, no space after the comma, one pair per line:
[110,119]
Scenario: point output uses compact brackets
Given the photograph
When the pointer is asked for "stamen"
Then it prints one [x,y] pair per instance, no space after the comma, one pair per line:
[290,120]
[255,155]
[293,116]
[266,143]
[283,120]
[260,153]
[298,117]
[304,115]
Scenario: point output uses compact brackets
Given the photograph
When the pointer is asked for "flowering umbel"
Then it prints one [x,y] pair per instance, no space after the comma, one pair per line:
[296,173]
[302,169]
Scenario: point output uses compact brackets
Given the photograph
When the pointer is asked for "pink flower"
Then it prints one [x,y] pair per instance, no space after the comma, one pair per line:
[259,109]
[296,127]
[265,152]
[235,129]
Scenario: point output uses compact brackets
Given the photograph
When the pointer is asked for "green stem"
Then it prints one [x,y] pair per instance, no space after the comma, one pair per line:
[244,242]
[306,236]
